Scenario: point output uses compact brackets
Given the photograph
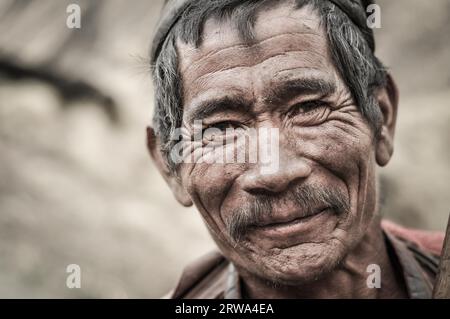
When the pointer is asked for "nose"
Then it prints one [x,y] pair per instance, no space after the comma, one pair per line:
[290,170]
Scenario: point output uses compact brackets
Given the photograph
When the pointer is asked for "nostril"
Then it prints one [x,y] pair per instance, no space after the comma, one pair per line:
[259,191]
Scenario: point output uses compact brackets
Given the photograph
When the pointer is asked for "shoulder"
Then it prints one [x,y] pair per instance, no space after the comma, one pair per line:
[204,278]
[428,241]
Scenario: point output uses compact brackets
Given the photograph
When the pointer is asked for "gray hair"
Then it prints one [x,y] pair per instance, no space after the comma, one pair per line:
[352,55]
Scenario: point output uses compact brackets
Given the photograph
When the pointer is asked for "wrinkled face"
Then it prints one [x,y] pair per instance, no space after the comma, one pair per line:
[298,221]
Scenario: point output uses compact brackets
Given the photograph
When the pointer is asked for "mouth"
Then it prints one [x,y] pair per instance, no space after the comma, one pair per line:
[283,228]
[290,219]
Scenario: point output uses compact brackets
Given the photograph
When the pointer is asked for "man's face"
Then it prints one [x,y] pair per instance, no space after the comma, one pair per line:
[313,209]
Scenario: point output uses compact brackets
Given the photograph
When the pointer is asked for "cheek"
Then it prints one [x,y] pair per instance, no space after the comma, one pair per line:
[343,153]
[208,185]
[348,154]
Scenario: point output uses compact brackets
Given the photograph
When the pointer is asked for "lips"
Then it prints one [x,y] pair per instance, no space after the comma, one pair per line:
[314,227]
[286,219]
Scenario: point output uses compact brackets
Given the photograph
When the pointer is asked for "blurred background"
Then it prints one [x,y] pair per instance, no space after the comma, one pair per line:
[76,183]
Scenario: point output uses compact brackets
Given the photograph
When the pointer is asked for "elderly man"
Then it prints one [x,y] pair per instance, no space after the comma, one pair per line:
[310,227]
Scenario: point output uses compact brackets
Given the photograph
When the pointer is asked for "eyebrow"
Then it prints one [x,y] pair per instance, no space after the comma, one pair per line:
[280,91]
[207,108]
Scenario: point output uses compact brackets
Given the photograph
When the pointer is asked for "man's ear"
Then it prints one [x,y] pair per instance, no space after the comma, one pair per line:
[174,183]
[388,102]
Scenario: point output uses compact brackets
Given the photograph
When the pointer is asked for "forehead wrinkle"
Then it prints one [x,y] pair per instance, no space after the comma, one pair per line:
[209,73]
[209,76]
[255,47]
[293,69]
[210,79]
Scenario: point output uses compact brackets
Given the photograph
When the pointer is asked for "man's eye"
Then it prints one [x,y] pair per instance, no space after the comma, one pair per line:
[310,113]
[223,126]
[308,107]
[220,130]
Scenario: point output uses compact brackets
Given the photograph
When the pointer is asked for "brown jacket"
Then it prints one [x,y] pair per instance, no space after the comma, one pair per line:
[417,254]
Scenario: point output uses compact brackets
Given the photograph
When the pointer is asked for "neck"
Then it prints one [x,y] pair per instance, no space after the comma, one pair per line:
[349,280]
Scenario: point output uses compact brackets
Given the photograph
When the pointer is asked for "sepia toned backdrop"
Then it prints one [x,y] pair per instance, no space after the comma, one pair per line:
[76,183]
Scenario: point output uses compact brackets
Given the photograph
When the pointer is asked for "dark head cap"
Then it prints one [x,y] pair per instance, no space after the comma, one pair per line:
[173,10]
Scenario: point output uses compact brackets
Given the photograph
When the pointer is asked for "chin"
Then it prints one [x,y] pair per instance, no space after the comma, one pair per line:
[300,264]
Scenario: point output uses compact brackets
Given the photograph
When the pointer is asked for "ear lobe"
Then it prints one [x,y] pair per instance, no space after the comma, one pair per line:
[384,147]
[180,193]
[174,183]
[388,103]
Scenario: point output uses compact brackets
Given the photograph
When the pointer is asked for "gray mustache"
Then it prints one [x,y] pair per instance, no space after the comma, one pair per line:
[309,197]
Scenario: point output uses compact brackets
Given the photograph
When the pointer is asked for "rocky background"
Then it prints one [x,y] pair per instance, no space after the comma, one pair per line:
[76,183]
